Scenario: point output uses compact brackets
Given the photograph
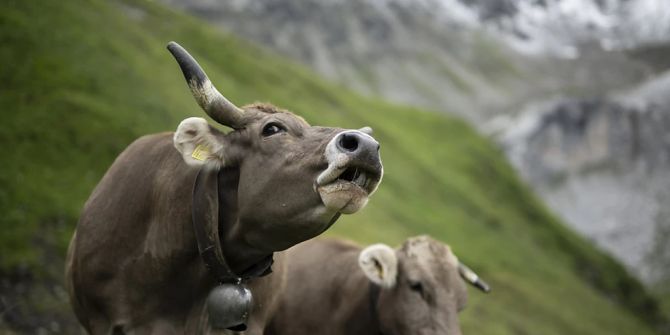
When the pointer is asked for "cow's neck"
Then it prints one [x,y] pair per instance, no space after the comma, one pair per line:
[373,301]
[244,259]
[241,257]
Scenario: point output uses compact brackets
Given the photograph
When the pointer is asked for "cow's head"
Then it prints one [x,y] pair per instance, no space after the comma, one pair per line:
[293,179]
[421,286]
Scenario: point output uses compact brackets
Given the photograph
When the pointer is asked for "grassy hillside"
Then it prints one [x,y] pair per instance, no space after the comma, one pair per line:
[82,79]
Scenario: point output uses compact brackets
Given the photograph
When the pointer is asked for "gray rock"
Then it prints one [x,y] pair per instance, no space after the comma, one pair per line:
[604,166]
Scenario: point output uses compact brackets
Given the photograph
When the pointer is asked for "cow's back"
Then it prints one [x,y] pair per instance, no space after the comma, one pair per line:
[325,291]
[134,248]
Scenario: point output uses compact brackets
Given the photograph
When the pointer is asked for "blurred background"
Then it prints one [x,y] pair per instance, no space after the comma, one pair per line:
[533,136]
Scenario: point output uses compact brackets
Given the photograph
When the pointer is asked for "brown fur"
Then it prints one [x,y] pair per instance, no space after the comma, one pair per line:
[133,265]
[265,107]
[327,293]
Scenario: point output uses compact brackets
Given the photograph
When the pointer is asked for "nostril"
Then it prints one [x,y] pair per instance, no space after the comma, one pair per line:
[348,142]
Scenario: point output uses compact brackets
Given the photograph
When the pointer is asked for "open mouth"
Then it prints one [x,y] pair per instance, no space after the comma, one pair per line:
[356,176]
[347,188]
[350,176]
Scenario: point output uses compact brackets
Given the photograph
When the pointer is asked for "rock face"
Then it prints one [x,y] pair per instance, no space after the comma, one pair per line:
[604,165]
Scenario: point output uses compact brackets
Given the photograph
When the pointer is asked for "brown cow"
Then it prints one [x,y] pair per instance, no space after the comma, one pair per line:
[334,287]
[134,263]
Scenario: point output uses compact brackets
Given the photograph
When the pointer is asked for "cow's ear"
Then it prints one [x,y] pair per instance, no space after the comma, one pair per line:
[380,264]
[367,130]
[199,143]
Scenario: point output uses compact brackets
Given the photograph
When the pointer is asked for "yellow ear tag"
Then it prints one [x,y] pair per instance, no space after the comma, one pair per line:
[200,153]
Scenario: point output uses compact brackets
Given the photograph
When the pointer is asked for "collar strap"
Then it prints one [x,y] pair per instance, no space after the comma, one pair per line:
[205,215]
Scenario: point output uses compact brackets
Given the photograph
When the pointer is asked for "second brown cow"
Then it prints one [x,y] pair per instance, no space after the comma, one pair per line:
[336,287]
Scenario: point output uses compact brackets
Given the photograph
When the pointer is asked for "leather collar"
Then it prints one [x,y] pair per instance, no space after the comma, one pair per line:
[208,214]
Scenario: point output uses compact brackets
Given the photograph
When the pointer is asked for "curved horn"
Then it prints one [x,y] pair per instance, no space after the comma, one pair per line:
[472,278]
[209,99]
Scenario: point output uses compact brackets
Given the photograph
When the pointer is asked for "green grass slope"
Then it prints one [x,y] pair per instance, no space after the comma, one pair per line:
[79,80]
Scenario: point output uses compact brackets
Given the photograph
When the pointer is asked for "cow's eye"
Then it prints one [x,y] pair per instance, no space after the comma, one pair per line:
[271,129]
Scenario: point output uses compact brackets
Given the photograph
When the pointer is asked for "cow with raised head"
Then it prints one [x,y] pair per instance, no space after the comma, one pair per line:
[334,287]
[178,213]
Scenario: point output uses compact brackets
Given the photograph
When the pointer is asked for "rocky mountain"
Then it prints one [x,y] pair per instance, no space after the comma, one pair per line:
[447,55]
[604,163]
[571,88]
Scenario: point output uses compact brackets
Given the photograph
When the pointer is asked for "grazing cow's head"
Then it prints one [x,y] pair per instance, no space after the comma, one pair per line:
[294,179]
[421,287]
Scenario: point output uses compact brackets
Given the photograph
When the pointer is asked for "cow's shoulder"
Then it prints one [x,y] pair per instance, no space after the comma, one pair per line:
[152,144]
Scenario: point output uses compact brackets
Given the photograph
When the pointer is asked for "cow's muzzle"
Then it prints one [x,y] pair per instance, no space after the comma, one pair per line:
[354,171]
